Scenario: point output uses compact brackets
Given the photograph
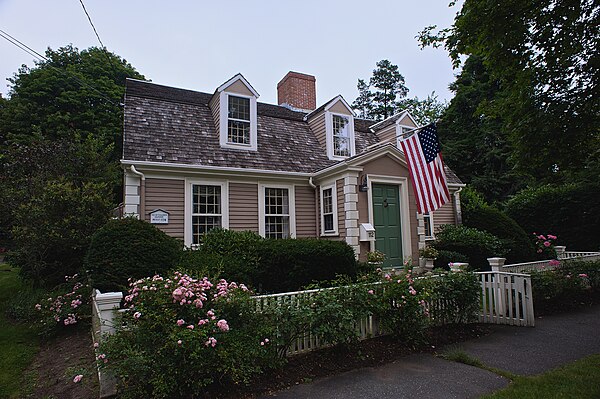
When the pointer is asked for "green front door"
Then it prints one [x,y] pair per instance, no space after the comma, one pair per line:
[386,218]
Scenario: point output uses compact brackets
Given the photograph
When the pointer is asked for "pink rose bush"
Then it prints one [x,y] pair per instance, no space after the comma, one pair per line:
[182,333]
[544,245]
[66,306]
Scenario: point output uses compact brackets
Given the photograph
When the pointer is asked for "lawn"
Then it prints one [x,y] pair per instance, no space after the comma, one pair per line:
[580,379]
[18,342]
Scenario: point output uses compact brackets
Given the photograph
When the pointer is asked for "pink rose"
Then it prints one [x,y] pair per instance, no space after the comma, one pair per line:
[180,322]
[190,327]
[137,315]
[179,342]
[547,243]
[222,324]
[370,292]
[77,378]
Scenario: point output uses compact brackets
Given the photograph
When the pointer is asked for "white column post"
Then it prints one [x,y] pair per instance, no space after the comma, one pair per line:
[560,251]
[107,304]
[496,263]
[351,212]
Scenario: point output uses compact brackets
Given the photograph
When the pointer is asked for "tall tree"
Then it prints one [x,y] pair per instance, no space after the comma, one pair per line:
[386,87]
[424,111]
[475,145]
[544,54]
[364,102]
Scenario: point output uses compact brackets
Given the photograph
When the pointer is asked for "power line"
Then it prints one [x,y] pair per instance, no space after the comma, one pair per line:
[35,54]
[91,23]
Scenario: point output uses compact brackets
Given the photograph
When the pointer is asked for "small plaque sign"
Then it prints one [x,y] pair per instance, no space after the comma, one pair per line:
[159,216]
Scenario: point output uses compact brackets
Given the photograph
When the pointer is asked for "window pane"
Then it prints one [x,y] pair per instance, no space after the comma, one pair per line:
[327,201]
[239,108]
[202,225]
[238,132]
[340,126]
[328,222]
[277,227]
[276,201]
[428,230]
[341,146]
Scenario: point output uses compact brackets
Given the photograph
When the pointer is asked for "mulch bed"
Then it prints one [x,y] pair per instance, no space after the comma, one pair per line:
[60,359]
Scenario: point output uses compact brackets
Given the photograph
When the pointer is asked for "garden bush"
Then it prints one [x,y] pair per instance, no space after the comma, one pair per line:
[460,292]
[570,211]
[493,221]
[233,255]
[475,244]
[183,335]
[129,248]
[288,265]
[52,230]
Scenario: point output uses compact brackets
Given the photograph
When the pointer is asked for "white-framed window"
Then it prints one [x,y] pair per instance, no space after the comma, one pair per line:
[237,124]
[206,208]
[400,131]
[238,120]
[340,135]
[428,222]
[329,217]
[276,211]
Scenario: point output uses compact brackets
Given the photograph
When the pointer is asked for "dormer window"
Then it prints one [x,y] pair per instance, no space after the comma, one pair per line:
[234,109]
[238,122]
[341,136]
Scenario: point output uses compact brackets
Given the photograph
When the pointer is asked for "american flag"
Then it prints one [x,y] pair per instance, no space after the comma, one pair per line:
[424,158]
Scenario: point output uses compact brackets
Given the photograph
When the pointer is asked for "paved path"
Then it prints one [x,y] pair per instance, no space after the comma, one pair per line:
[554,341]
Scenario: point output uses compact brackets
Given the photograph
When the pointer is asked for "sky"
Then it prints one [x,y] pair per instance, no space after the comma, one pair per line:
[199,45]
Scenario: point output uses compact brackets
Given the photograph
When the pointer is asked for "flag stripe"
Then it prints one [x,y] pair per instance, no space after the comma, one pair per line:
[429,178]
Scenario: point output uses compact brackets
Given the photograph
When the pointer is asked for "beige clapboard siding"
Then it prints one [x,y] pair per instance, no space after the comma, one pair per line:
[387,135]
[215,109]
[444,214]
[306,225]
[339,185]
[243,206]
[317,125]
[168,195]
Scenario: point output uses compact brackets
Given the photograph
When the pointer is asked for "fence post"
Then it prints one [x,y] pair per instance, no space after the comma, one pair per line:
[500,302]
[560,251]
[107,303]
[496,263]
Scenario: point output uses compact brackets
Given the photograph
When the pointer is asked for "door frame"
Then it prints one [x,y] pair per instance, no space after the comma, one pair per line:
[402,183]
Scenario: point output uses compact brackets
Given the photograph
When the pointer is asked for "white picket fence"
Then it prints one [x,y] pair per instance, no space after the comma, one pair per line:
[505,299]
[548,264]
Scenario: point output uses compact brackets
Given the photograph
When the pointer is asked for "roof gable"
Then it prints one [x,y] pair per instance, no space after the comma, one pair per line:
[235,82]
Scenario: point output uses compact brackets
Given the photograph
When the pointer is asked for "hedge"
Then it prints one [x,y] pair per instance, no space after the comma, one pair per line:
[570,211]
[476,245]
[129,248]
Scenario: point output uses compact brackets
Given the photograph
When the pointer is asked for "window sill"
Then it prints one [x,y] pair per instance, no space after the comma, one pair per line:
[332,234]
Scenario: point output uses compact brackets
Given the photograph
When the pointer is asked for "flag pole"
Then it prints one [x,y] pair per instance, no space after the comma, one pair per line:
[413,131]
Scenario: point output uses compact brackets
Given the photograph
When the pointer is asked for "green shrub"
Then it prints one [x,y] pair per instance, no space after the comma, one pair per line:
[401,309]
[233,255]
[175,344]
[475,244]
[570,211]
[446,257]
[129,248]
[52,230]
[491,220]
[288,265]
[453,298]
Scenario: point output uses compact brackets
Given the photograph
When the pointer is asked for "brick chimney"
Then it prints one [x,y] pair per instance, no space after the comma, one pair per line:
[297,91]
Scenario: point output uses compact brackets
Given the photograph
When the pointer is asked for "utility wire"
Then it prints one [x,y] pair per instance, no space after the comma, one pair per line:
[35,54]
[91,23]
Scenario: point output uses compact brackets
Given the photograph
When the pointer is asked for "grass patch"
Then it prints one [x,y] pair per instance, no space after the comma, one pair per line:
[580,380]
[456,354]
[18,342]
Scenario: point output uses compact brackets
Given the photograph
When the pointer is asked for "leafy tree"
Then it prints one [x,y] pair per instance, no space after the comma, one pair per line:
[379,98]
[475,144]
[424,111]
[71,93]
[544,56]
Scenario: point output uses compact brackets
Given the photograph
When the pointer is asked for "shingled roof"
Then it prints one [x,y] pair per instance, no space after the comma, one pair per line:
[171,125]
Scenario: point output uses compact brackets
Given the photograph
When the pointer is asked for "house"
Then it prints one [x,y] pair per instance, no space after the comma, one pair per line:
[195,161]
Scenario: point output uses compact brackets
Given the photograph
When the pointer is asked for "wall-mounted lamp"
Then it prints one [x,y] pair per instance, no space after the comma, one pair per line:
[364,186]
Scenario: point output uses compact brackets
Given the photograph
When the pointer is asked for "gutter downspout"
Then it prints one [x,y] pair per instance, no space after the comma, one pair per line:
[310,181]
[142,191]
[457,208]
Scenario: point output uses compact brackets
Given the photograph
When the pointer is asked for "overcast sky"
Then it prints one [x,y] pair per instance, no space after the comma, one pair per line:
[199,44]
